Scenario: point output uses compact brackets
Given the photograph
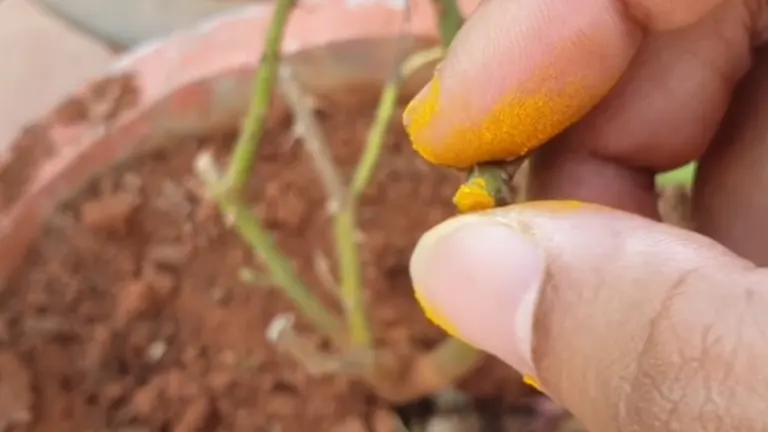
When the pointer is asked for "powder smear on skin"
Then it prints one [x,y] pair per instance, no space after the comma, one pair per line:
[517,125]
[554,97]
[435,316]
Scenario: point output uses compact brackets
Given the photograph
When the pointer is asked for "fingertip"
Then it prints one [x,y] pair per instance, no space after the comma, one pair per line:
[518,74]
[472,274]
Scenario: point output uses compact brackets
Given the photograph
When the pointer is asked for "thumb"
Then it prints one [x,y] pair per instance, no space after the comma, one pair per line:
[629,323]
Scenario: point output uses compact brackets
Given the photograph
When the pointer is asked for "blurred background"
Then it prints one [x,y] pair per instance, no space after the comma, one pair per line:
[76,39]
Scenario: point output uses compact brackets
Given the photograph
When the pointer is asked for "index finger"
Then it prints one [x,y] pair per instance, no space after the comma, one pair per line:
[520,72]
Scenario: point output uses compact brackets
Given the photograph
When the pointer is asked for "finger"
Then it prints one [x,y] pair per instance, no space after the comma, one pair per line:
[730,202]
[662,114]
[667,107]
[666,15]
[520,72]
[571,172]
[630,324]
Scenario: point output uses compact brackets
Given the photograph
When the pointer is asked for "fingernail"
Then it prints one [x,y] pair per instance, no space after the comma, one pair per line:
[478,277]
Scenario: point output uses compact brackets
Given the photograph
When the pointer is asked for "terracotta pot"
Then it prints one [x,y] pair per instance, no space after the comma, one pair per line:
[196,82]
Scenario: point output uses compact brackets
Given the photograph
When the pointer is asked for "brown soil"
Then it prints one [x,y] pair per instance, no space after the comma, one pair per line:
[128,313]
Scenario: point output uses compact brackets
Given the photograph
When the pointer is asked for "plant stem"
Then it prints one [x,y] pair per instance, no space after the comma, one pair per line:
[682,176]
[281,272]
[244,154]
[344,209]
[307,127]
[376,134]
[345,221]
[350,275]
[450,21]
[449,18]
[383,117]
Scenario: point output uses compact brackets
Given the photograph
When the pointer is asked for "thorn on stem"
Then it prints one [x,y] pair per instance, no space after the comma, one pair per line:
[205,168]
[253,276]
[324,274]
[282,334]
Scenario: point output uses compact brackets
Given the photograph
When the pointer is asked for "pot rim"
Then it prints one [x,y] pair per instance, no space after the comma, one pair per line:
[169,88]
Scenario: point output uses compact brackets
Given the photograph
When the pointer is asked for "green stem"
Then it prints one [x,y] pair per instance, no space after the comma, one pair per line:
[227,193]
[244,154]
[449,18]
[375,140]
[496,180]
[383,117]
[344,214]
[279,267]
[345,221]
[350,275]
[682,176]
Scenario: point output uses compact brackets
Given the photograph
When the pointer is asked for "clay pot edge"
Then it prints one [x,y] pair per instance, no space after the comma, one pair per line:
[162,89]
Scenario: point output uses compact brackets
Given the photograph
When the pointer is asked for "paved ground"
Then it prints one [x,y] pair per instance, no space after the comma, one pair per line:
[43,61]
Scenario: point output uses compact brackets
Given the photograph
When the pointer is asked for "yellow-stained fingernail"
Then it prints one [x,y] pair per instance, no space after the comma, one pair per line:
[532,382]
[435,316]
[474,196]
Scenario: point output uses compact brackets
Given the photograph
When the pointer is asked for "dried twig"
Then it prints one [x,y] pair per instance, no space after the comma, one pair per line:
[344,215]
[308,128]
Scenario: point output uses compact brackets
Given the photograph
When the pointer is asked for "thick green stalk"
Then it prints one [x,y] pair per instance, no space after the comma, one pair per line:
[449,18]
[350,275]
[247,145]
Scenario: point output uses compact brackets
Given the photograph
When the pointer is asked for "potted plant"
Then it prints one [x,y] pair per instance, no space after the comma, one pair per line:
[129,301]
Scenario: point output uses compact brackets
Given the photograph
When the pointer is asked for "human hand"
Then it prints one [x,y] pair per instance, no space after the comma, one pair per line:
[639,86]
[631,324]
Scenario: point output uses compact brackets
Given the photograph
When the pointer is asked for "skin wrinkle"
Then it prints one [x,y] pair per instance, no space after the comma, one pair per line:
[711,346]
[708,394]
[731,354]
[681,357]
[552,287]
[729,392]
[665,14]
[756,15]
[646,351]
